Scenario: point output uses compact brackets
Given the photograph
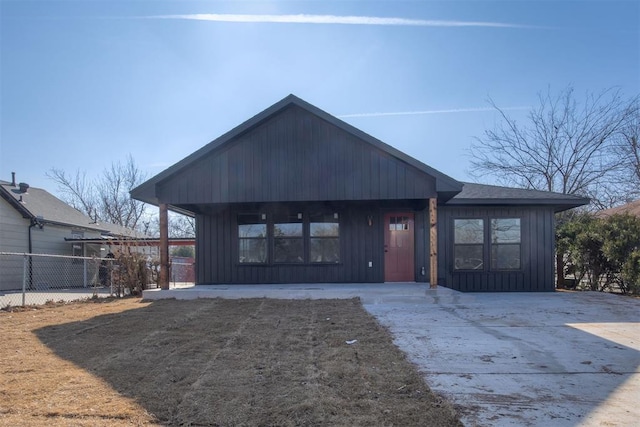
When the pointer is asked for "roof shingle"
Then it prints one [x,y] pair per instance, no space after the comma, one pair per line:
[39,203]
[482,194]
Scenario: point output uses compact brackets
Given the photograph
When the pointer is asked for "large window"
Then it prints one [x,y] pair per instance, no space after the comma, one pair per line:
[468,244]
[505,244]
[324,238]
[252,238]
[504,251]
[289,238]
[288,243]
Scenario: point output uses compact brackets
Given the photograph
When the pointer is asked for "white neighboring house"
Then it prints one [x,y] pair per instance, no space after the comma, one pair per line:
[33,220]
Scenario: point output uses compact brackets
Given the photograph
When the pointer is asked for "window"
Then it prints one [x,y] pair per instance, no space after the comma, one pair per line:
[324,238]
[288,243]
[287,238]
[505,244]
[252,238]
[504,252]
[398,223]
[468,247]
[76,248]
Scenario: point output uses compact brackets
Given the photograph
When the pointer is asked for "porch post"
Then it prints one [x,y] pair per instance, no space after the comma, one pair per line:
[433,243]
[164,247]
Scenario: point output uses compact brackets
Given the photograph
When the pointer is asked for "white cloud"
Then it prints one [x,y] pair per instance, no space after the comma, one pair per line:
[334,19]
[414,113]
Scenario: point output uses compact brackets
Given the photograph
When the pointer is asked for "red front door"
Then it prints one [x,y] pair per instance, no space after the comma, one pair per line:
[398,247]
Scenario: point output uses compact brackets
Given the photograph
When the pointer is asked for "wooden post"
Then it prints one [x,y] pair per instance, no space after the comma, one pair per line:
[164,246]
[433,243]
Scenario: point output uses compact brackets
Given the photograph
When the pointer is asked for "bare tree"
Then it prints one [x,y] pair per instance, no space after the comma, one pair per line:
[180,226]
[105,198]
[113,193]
[628,149]
[566,145]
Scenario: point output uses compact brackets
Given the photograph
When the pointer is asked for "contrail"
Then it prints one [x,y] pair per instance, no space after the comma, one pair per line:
[415,113]
[334,19]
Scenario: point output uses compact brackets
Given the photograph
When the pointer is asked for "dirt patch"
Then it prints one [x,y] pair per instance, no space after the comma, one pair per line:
[209,362]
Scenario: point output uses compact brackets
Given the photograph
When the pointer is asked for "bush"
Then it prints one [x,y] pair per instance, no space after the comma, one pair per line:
[133,272]
[602,252]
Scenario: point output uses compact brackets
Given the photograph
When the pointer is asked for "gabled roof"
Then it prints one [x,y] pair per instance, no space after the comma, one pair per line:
[481,194]
[39,204]
[445,185]
[632,208]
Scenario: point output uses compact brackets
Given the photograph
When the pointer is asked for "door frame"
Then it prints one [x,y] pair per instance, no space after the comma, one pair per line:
[410,268]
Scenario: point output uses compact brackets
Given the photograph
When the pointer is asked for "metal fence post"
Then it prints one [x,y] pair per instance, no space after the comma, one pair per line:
[24,279]
[84,272]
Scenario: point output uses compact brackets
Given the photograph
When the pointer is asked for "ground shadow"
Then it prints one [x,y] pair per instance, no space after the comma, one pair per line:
[251,362]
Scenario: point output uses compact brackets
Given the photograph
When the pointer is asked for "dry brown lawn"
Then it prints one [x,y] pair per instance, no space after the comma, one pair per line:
[208,362]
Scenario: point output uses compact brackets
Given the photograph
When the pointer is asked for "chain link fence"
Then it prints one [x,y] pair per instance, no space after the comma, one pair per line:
[32,279]
[35,279]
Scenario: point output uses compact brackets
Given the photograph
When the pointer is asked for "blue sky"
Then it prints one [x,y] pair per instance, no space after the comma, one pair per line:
[85,83]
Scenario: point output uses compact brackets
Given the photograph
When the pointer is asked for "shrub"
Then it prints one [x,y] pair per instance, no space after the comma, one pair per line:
[133,272]
[602,252]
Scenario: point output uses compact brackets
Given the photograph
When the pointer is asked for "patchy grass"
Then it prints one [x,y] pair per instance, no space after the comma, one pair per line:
[209,362]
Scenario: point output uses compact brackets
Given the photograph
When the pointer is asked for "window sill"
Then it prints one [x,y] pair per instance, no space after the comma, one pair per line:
[287,264]
[489,271]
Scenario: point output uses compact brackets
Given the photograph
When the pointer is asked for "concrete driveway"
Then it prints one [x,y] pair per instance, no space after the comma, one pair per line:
[556,359]
[526,359]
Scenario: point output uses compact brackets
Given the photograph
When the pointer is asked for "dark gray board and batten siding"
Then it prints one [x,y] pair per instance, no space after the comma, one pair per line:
[217,254]
[293,155]
[537,251]
[296,156]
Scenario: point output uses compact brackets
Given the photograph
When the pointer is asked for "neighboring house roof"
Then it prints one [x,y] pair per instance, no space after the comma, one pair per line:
[632,208]
[445,185]
[481,194]
[39,204]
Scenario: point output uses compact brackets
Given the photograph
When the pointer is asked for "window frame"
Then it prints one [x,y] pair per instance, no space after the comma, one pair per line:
[272,219]
[294,218]
[493,261]
[489,263]
[481,245]
[265,239]
[311,238]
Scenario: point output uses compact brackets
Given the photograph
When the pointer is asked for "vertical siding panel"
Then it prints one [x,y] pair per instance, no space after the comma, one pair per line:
[385,174]
[200,239]
[531,239]
[326,175]
[348,166]
[294,177]
[204,260]
[401,182]
[374,160]
[225,177]
[215,247]
[539,285]
[550,252]
[227,231]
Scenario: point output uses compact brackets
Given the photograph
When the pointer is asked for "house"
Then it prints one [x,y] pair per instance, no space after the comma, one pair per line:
[631,208]
[32,220]
[295,195]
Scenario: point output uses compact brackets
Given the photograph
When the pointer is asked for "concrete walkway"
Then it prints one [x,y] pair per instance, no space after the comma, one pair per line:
[526,359]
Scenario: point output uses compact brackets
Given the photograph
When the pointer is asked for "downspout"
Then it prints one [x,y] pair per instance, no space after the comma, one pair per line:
[34,223]
[30,278]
